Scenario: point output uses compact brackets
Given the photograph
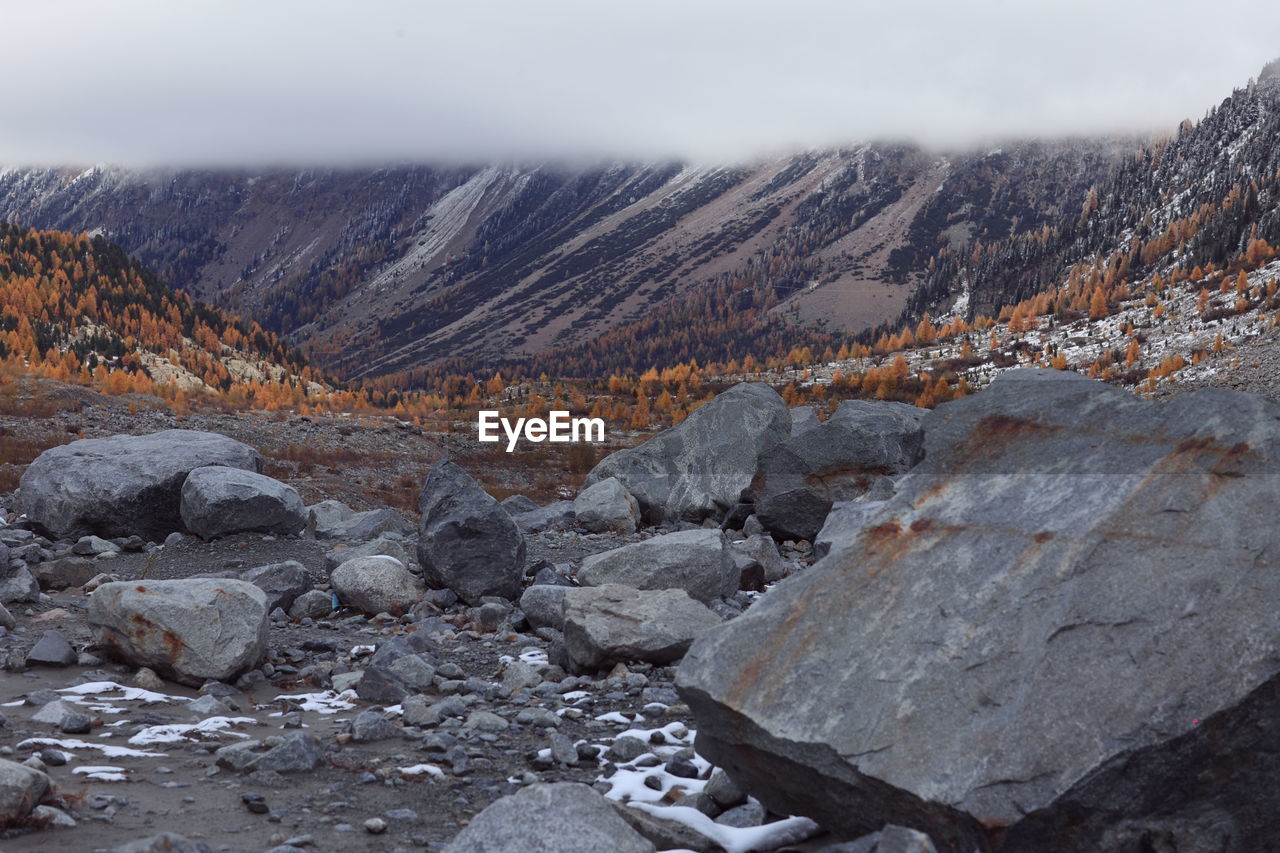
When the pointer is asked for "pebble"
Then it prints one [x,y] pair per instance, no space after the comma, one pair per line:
[375,826]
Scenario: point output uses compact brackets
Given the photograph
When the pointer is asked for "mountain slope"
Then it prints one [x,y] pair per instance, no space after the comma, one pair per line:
[379,271]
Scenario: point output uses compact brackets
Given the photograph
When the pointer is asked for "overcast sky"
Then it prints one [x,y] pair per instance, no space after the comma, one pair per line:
[160,82]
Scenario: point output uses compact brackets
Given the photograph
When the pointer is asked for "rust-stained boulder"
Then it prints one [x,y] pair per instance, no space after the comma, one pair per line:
[189,630]
[1060,634]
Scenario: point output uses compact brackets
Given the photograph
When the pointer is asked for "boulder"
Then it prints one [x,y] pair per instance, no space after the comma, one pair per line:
[64,572]
[758,556]
[165,842]
[52,649]
[466,542]
[282,582]
[554,516]
[699,468]
[362,526]
[21,790]
[695,561]
[605,507]
[543,605]
[190,631]
[17,584]
[313,604]
[566,817]
[803,419]
[835,461]
[517,504]
[122,485]
[383,546]
[325,519]
[220,501]
[617,624]
[376,585]
[1058,626]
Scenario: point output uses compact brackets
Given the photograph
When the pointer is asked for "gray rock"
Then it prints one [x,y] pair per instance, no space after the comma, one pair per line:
[838,460]
[190,630]
[383,546]
[554,516]
[695,561]
[543,605]
[376,585]
[699,468]
[745,815]
[519,675]
[844,524]
[298,752]
[165,842]
[562,818]
[612,624]
[282,582]
[208,706]
[517,504]
[803,419]
[17,584]
[54,712]
[1053,627]
[325,519]
[606,507]
[124,484]
[314,604]
[6,618]
[726,792]
[21,790]
[52,649]
[64,572]
[219,501]
[759,554]
[92,546]
[466,542]
[370,726]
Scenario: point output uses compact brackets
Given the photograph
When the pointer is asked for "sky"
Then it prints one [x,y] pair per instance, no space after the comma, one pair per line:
[196,82]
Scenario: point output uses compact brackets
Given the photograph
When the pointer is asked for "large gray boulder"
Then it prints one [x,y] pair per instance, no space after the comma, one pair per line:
[282,582]
[190,630]
[606,507]
[699,468]
[466,541]
[695,561]
[844,524]
[834,461]
[21,790]
[122,485]
[566,817]
[383,546]
[376,585]
[220,501]
[1061,625]
[616,624]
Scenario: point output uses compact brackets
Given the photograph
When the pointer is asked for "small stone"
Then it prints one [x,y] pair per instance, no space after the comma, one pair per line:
[52,649]
[255,803]
[147,679]
[375,826]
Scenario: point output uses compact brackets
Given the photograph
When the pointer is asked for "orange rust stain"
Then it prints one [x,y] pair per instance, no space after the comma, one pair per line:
[140,588]
[920,525]
[884,532]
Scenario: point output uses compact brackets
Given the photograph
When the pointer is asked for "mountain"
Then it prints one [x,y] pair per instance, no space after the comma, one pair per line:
[1199,198]
[378,271]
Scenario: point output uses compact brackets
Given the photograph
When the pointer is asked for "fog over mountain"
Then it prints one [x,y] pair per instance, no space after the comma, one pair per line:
[237,83]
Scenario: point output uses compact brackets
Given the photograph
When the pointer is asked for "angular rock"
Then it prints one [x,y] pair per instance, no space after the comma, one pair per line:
[606,507]
[554,516]
[517,504]
[617,624]
[324,519]
[566,817]
[466,542]
[699,468]
[64,572]
[370,726]
[314,604]
[362,526]
[543,605]
[122,485]
[376,585]
[383,546]
[52,649]
[21,790]
[838,460]
[1054,626]
[696,561]
[190,630]
[165,842]
[219,501]
[92,546]
[803,419]
[298,752]
[17,584]
[758,554]
[282,582]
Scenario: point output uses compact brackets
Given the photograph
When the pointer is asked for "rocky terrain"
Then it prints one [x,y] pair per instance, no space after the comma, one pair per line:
[1039,618]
